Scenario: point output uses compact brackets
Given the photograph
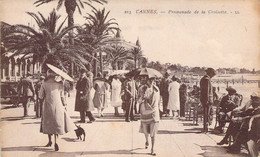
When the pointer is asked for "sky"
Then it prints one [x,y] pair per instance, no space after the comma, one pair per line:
[206,40]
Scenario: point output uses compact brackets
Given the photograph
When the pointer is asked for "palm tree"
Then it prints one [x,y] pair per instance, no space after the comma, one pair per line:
[119,54]
[98,32]
[71,6]
[49,44]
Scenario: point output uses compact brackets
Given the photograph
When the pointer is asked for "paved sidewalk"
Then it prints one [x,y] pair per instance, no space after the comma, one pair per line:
[108,136]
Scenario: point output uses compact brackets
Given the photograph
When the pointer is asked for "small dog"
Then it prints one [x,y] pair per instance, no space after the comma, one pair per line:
[80,131]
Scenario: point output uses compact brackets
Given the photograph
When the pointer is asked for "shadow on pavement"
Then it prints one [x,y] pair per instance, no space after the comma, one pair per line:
[49,152]
[186,131]
[74,117]
[190,124]
[12,118]
[70,139]
[74,154]
[109,120]
[8,107]
[32,123]
[176,132]
[200,130]
[27,148]
[218,151]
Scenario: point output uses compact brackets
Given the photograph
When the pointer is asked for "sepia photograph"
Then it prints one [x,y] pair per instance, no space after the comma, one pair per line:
[121,78]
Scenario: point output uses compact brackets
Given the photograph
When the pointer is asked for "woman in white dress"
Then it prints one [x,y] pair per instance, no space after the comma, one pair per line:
[174,98]
[116,100]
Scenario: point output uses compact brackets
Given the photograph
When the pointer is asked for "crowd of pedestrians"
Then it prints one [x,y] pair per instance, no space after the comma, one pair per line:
[140,97]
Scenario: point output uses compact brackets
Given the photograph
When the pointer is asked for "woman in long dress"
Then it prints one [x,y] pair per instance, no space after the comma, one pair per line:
[55,120]
[116,100]
[99,96]
[174,96]
[149,110]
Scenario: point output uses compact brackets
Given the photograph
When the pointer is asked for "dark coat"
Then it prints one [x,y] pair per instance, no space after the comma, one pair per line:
[229,102]
[83,102]
[183,94]
[164,88]
[131,90]
[26,87]
[254,133]
[206,91]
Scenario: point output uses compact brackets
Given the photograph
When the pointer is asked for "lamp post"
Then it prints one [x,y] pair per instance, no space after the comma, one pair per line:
[136,51]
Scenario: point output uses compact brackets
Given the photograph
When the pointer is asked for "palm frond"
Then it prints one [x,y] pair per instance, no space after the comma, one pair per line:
[59,4]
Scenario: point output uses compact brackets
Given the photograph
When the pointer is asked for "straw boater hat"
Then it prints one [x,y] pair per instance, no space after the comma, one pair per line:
[231,89]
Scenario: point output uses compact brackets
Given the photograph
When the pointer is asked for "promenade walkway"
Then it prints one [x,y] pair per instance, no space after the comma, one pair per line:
[109,136]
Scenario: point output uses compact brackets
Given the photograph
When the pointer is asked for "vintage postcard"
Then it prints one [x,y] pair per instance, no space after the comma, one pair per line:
[130,78]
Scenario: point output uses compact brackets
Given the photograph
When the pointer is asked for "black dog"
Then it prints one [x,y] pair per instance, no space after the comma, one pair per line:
[80,131]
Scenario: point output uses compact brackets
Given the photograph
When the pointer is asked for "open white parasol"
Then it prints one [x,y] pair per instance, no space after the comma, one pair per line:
[60,72]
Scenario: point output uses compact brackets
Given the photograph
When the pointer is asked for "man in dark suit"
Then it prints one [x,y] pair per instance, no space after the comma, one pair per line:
[206,96]
[183,99]
[26,90]
[131,92]
[39,102]
[227,104]
[248,129]
[83,104]
[164,92]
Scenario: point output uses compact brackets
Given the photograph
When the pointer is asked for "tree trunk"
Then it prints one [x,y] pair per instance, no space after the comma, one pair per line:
[135,61]
[95,66]
[70,24]
[101,63]
[71,39]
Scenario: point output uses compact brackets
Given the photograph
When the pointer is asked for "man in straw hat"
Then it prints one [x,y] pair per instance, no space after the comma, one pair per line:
[227,104]
[206,96]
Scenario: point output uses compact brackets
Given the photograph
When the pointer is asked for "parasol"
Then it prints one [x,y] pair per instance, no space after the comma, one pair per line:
[60,72]
[145,72]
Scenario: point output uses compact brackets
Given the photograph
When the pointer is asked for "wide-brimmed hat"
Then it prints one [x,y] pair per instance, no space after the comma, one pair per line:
[59,72]
[231,89]
[211,70]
